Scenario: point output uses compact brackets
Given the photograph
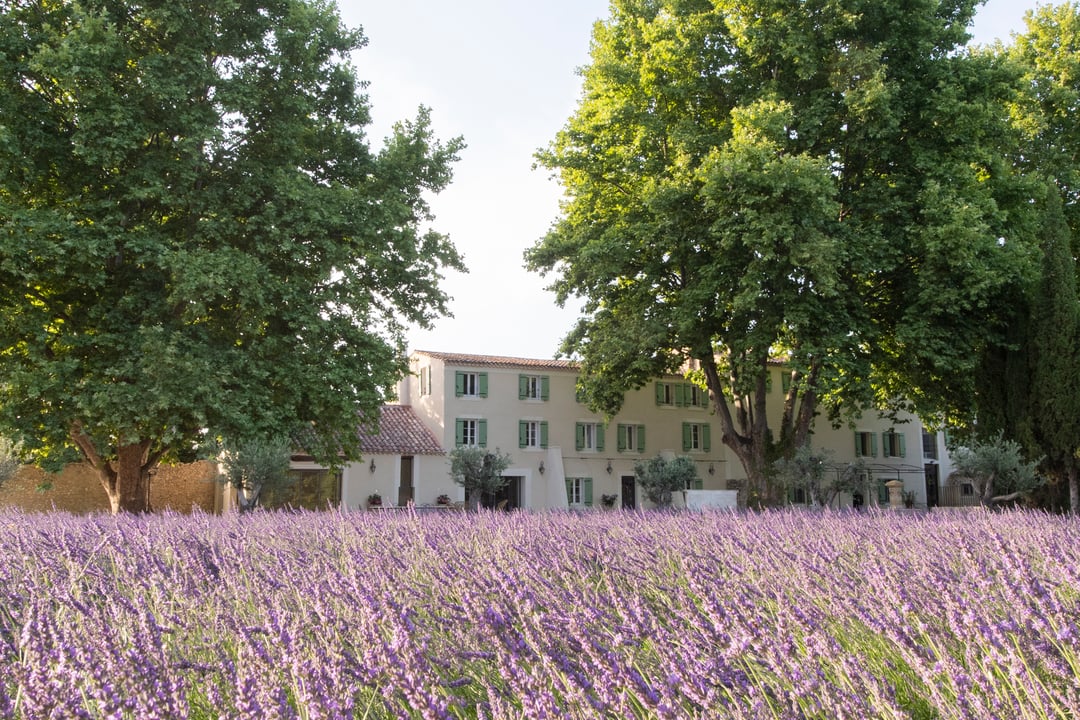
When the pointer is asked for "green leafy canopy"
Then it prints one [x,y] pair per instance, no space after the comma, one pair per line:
[194,231]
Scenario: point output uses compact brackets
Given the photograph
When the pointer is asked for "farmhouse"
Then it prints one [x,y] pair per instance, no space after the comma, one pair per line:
[563,455]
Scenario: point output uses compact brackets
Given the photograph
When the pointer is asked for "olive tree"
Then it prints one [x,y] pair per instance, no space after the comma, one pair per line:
[479,471]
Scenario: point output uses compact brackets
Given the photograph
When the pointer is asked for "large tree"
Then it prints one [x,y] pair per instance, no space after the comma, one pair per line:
[1055,356]
[195,234]
[1027,385]
[818,181]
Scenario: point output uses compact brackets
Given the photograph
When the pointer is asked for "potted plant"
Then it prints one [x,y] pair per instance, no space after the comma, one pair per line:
[608,501]
[443,499]
[374,500]
[908,497]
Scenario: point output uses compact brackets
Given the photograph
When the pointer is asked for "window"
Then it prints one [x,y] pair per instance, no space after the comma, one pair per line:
[892,444]
[665,393]
[631,438]
[681,395]
[425,380]
[929,445]
[532,433]
[696,436]
[797,496]
[865,444]
[579,492]
[471,432]
[308,489]
[533,387]
[470,384]
[696,397]
[589,436]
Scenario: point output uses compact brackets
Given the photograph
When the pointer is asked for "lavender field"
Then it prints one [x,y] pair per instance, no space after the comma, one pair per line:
[605,615]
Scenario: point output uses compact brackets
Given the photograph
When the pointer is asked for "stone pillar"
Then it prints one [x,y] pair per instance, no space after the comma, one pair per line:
[896,494]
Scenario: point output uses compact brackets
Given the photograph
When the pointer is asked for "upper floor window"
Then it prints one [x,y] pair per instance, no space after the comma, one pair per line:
[892,444]
[929,445]
[681,395]
[533,387]
[532,434]
[425,380]
[865,444]
[471,432]
[632,438]
[470,384]
[696,436]
[665,393]
[589,436]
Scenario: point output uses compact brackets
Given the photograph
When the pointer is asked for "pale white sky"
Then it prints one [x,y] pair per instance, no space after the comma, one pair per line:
[501,73]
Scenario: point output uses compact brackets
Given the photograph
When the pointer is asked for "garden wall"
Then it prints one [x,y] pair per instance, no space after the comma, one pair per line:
[77,489]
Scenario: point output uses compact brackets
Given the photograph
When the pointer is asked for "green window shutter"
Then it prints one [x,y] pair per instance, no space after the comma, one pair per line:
[680,395]
[785,381]
[481,431]
[543,434]
[579,436]
[687,438]
[579,393]
[659,393]
[545,387]
[882,494]
[858,444]
[599,436]
[641,438]
[459,383]
[885,444]
[903,447]
[873,445]
[522,433]
[523,387]
[482,382]
[569,490]
[586,492]
[620,441]
[697,484]
[706,437]
[459,432]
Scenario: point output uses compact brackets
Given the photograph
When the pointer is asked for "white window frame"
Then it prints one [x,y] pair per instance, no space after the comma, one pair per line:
[697,437]
[632,438]
[576,491]
[589,434]
[532,434]
[470,432]
[470,384]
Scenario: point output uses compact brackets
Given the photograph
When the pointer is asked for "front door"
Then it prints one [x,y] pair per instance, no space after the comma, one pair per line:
[406,491]
[629,492]
[506,499]
[931,484]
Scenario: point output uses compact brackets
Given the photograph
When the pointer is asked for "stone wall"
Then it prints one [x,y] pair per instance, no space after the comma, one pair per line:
[77,489]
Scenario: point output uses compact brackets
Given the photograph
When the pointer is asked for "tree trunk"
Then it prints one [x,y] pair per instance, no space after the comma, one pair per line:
[473,501]
[126,479]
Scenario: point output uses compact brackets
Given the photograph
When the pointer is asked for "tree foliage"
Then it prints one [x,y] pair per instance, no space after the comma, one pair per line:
[479,471]
[811,470]
[996,468]
[659,477]
[257,465]
[195,233]
[747,180]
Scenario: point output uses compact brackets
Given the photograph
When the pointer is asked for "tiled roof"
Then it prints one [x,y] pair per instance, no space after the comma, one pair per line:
[400,433]
[498,361]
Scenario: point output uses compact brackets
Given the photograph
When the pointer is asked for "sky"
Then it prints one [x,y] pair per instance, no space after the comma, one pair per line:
[502,74]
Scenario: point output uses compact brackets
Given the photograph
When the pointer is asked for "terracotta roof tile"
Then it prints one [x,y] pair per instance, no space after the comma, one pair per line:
[498,361]
[400,433]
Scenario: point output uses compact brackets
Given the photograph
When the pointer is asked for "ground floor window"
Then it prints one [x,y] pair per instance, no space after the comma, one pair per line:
[308,489]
